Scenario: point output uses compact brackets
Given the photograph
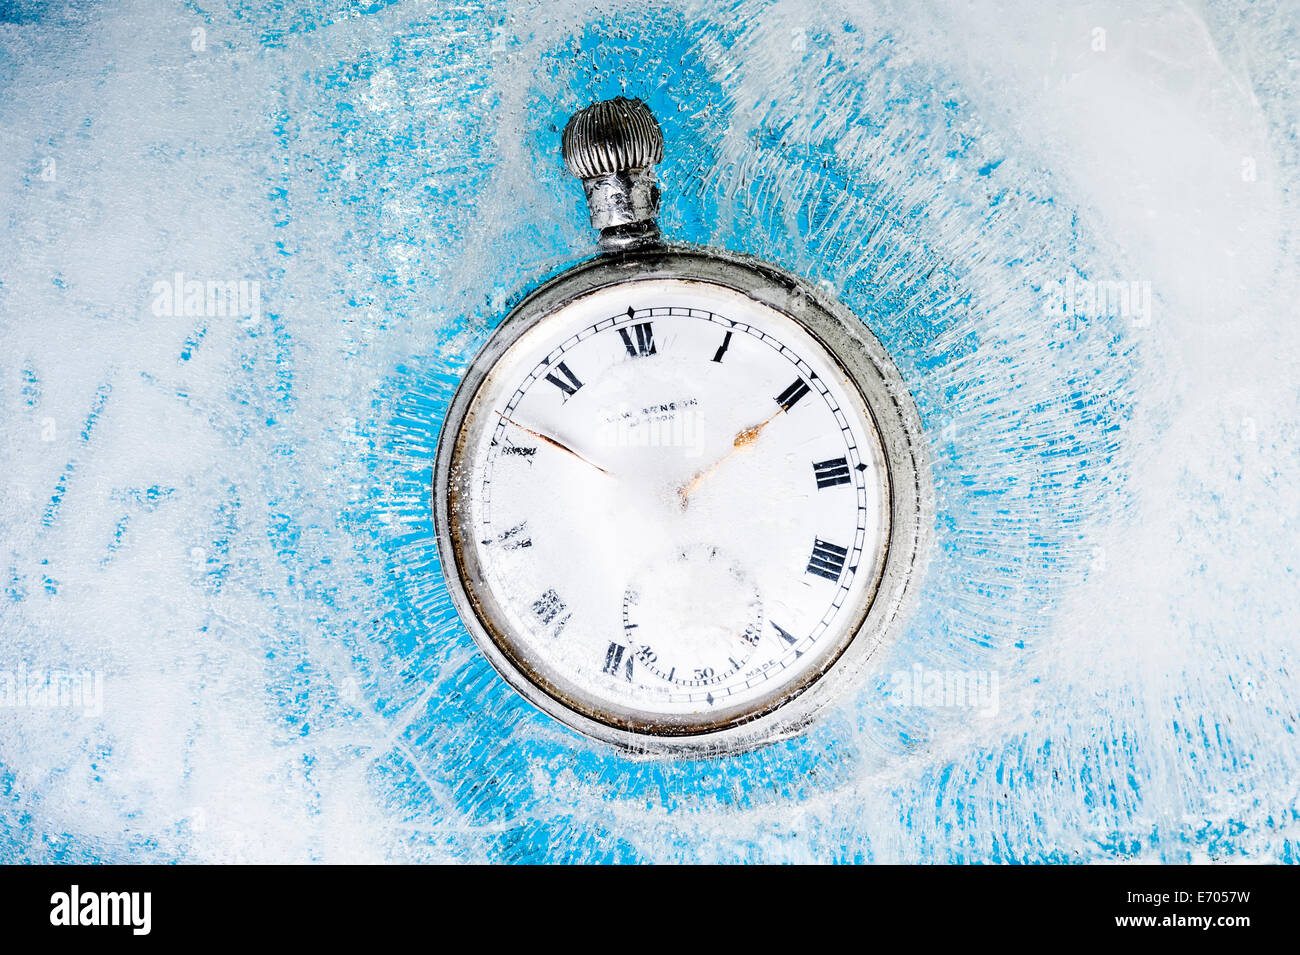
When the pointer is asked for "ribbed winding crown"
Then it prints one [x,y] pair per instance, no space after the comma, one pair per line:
[614,136]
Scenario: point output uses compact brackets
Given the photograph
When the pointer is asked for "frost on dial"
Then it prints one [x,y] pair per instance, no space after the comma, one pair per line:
[679,504]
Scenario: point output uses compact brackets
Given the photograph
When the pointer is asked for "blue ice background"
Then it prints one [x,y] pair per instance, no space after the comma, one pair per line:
[390,174]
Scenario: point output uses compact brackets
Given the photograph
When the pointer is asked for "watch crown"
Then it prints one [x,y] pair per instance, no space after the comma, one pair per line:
[613,146]
[617,135]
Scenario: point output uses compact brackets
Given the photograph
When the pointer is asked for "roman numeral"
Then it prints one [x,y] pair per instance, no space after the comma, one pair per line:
[513,539]
[785,635]
[790,397]
[645,340]
[832,472]
[617,657]
[550,610]
[726,342]
[827,560]
[568,386]
[518,451]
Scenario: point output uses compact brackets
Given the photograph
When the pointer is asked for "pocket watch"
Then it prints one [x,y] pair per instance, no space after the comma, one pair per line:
[681,495]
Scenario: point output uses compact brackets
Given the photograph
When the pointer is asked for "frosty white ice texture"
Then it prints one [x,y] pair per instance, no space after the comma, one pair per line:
[229,519]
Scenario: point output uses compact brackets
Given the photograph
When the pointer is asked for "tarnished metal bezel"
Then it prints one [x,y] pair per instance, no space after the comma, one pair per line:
[866,363]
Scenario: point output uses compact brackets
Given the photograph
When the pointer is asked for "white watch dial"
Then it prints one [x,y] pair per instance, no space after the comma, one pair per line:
[673,503]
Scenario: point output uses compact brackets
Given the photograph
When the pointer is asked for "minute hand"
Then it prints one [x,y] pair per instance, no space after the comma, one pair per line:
[546,439]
